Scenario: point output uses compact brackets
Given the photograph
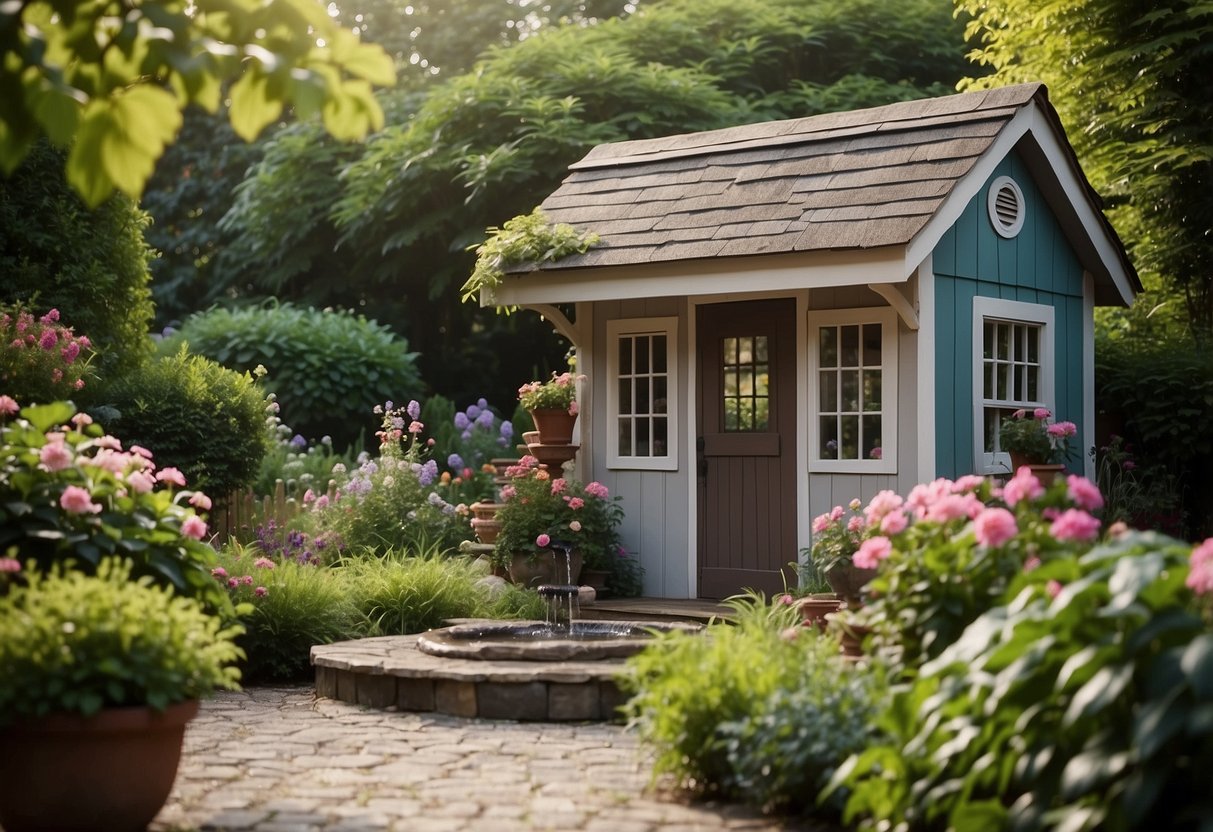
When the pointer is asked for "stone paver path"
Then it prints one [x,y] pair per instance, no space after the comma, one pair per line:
[279,760]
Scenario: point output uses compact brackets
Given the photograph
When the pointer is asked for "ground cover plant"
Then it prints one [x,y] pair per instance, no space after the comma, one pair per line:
[761,710]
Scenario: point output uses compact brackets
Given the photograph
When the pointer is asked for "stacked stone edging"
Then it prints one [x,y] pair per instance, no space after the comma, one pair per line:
[390,672]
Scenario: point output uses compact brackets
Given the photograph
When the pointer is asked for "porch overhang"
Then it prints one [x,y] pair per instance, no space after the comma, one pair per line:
[717,276]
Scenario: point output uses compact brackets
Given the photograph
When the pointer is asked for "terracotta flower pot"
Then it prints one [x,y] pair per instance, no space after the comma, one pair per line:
[487,530]
[110,772]
[848,580]
[1047,473]
[545,568]
[553,456]
[814,609]
[555,426]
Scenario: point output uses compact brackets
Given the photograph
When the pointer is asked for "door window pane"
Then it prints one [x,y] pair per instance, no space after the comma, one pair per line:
[747,383]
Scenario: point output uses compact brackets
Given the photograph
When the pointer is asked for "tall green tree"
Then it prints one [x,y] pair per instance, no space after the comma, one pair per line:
[110,78]
[491,143]
[1131,81]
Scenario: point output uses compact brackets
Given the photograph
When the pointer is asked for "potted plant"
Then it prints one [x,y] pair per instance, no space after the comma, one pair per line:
[101,673]
[1031,439]
[539,509]
[553,407]
[836,539]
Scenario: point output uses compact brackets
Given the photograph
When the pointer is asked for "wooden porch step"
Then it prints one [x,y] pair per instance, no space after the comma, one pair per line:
[656,609]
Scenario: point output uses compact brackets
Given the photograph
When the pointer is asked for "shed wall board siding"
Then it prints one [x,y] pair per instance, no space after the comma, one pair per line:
[1036,266]
[655,503]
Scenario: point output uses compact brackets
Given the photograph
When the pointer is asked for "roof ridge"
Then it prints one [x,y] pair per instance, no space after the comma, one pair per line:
[983,105]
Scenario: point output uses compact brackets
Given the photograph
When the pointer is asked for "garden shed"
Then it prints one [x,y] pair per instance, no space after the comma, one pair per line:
[780,317]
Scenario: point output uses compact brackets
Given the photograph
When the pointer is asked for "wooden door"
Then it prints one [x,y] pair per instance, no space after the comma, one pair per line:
[746,445]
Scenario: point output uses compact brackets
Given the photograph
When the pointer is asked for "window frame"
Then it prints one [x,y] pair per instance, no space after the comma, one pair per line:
[1013,312]
[624,327]
[886,317]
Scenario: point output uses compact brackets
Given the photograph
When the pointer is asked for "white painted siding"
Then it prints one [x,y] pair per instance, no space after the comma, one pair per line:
[656,504]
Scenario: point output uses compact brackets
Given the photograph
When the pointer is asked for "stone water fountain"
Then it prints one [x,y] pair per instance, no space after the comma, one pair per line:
[552,670]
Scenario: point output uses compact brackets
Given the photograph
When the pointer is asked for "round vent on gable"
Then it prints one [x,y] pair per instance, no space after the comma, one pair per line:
[1006,206]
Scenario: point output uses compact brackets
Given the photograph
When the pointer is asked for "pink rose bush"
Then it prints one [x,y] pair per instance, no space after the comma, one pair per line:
[69,492]
[558,393]
[40,356]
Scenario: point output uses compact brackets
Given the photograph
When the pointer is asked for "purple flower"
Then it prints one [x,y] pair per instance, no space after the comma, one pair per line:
[454,462]
[414,409]
[298,442]
[428,472]
[485,419]
[461,421]
[389,405]
[474,411]
[507,429]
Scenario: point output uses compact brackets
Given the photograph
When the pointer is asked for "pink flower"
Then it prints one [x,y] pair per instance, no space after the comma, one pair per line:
[1129,465]
[8,405]
[994,527]
[10,565]
[855,523]
[169,475]
[923,495]
[872,551]
[56,375]
[821,522]
[200,501]
[79,385]
[108,442]
[416,427]
[247,580]
[883,503]
[1053,587]
[1062,429]
[194,526]
[597,489]
[140,482]
[76,500]
[789,633]
[542,541]
[263,563]
[55,455]
[558,486]
[786,600]
[219,572]
[70,352]
[1074,524]
[953,507]
[875,453]
[1084,493]
[894,522]
[48,339]
[573,409]
[322,502]
[261,592]
[233,583]
[575,526]
[969,482]
[576,503]
[1041,413]
[82,419]
[1200,576]
[508,492]
[139,450]
[1022,486]
[50,317]
[309,497]
[836,513]
[1031,563]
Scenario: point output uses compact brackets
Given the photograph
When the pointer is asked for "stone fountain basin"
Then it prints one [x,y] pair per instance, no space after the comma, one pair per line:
[540,641]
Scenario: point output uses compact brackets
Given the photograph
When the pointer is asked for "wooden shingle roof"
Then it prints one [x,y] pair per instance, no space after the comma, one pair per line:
[852,180]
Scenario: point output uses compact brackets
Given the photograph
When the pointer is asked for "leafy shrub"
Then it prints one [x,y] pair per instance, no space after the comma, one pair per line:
[711,705]
[1083,703]
[92,265]
[69,493]
[328,368]
[195,415]
[76,643]
[41,360]
[300,463]
[400,594]
[1144,496]
[290,607]
[1161,390]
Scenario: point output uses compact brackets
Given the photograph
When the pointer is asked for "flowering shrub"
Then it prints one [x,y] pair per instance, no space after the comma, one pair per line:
[1144,496]
[557,394]
[836,537]
[300,463]
[394,501]
[1035,438]
[40,358]
[69,492]
[539,508]
[1080,702]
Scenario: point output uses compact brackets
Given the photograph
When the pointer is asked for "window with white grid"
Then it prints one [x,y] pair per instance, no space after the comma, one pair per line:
[1013,363]
[641,398]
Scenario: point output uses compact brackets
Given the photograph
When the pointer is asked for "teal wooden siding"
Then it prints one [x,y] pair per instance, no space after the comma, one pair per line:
[1036,266]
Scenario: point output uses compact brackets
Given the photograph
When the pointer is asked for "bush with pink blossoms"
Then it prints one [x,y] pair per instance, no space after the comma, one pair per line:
[41,359]
[70,494]
[1030,434]
[949,551]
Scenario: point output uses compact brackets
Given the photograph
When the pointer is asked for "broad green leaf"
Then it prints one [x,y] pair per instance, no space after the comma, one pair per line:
[144,120]
[59,114]
[46,416]
[1197,663]
[251,108]
[979,816]
[1104,687]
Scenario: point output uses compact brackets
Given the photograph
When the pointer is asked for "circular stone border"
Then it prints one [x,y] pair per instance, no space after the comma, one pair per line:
[390,672]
